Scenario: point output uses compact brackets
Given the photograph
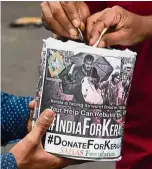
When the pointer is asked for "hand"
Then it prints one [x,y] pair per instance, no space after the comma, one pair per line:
[62,18]
[92,80]
[29,152]
[128,27]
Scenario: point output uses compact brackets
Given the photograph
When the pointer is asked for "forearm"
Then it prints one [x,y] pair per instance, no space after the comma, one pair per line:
[8,161]
[14,115]
[147,26]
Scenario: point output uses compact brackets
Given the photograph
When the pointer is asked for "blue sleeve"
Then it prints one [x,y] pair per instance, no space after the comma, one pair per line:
[8,161]
[14,115]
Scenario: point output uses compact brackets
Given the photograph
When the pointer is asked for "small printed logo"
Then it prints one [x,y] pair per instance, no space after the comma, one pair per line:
[55,63]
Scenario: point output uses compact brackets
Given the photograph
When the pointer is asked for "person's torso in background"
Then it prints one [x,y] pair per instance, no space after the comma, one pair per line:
[137,146]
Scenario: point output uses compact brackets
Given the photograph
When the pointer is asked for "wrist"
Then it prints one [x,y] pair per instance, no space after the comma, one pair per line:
[147,26]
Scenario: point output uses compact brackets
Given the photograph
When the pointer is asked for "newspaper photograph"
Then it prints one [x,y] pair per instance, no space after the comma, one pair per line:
[87,88]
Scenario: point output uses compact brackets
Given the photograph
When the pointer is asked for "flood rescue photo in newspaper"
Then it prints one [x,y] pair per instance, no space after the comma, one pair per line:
[87,88]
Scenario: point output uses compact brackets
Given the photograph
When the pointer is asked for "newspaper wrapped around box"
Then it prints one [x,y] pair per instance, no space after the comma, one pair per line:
[87,88]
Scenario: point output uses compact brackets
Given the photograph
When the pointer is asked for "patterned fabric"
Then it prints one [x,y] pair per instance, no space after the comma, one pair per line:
[14,115]
[8,161]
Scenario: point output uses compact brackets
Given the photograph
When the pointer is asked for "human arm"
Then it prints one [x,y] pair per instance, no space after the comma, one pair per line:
[129,28]
[70,81]
[8,161]
[14,116]
[95,76]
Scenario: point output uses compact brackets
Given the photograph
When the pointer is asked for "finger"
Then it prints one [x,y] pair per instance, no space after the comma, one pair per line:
[32,104]
[111,39]
[45,13]
[92,20]
[42,124]
[82,27]
[71,11]
[49,21]
[90,24]
[96,31]
[60,16]
[84,12]
[45,24]
[105,21]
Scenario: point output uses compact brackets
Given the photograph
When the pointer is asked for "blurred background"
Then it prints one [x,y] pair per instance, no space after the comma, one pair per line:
[20,57]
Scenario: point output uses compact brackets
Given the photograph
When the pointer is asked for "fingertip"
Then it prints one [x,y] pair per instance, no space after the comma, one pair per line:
[75,37]
[91,42]
[48,114]
[32,104]
[43,122]
[76,23]
[94,37]
[101,44]
[73,32]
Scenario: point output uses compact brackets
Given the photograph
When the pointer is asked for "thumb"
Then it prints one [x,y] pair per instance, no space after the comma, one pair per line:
[84,13]
[110,39]
[42,124]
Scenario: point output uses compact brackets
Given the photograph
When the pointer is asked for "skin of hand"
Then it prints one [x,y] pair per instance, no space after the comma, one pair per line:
[128,27]
[64,17]
[29,152]
[92,80]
